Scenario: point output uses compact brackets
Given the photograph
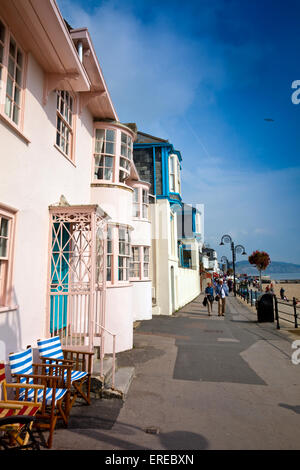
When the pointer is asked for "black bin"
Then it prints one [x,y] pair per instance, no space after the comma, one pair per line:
[265,308]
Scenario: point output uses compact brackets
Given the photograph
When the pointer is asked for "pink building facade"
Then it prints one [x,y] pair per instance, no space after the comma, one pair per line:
[74,224]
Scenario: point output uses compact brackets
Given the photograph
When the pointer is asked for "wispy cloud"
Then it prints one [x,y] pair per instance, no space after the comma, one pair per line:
[169,67]
[156,71]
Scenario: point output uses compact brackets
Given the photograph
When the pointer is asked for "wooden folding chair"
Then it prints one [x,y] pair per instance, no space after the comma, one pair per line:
[51,352]
[55,396]
[16,417]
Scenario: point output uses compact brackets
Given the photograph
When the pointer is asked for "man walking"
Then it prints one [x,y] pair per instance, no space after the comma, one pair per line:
[222,293]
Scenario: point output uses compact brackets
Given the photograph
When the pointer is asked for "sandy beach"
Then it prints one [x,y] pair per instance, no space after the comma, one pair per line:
[291,290]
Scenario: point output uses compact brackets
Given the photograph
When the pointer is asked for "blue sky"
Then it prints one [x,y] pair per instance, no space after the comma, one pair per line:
[205,74]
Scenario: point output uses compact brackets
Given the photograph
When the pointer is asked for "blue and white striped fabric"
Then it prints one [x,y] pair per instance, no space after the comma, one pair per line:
[21,363]
[51,347]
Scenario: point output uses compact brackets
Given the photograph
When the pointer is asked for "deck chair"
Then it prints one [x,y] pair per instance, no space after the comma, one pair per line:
[51,352]
[17,417]
[54,398]
[16,430]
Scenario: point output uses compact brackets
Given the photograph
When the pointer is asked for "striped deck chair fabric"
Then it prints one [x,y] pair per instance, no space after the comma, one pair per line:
[21,363]
[8,409]
[51,348]
[16,417]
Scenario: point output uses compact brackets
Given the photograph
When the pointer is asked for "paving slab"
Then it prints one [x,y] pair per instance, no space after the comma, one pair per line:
[201,382]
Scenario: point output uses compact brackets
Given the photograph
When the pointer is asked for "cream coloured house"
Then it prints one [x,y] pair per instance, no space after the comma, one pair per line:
[68,191]
[176,227]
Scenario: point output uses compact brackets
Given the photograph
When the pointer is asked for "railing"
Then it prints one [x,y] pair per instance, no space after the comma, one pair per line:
[102,353]
[283,309]
[249,296]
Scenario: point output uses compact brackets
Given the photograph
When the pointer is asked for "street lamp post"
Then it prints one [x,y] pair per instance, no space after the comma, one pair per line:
[234,249]
[224,260]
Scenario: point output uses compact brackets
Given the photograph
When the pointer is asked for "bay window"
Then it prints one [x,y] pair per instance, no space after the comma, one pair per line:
[139,263]
[136,204]
[146,261]
[104,154]
[124,254]
[178,178]
[109,255]
[126,157]
[140,202]
[145,203]
[135,262]
[172,174]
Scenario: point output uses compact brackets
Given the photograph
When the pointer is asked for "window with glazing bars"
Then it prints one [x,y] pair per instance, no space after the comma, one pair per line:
[109,256]
[146,261]
[64,122]
[4,256]
[126,157]
[124,254]
[136,204]
[178,177]
[172,174]
[105,147]
[11,72]
[135,262]
[145,204]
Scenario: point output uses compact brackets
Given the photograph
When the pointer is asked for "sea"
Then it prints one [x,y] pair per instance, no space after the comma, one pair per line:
[282,276]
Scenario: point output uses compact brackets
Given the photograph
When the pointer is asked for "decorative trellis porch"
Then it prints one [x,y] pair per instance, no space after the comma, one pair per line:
[77,277]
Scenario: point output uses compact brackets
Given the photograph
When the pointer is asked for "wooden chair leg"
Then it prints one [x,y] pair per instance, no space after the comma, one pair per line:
[81,393]
[51,431]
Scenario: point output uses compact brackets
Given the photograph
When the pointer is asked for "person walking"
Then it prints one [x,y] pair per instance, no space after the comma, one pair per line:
[222,293]
[209,293]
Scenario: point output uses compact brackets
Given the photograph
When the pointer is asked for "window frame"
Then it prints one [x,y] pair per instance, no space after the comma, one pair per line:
[135,262]
[127,160]
[172,175]
[140,204]
[5,75]
[103,154]
[109,254]
[136,210]
[146,263]
[124,257]
[145,204]
[70,127]
[141,249]
[6,262]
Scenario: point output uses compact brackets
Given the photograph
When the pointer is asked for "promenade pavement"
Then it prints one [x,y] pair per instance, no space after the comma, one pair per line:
[200,383]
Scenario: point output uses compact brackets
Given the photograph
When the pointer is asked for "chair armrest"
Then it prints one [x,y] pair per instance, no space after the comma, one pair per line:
[20,385]
[52,366]
[36,376]
[71,361]
[10,406]
[78,352]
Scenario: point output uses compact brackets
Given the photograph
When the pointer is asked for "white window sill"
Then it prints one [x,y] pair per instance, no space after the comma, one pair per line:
[8,309]
[64,155]
[12,126]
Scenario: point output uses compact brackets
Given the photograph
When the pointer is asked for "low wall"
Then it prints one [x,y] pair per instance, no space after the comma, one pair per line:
[188,286]
[142,300]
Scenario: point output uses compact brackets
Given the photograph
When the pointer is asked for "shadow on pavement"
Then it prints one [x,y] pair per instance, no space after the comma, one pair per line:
[296,408]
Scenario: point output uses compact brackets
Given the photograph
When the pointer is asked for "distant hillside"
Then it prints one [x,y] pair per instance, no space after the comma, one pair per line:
[244,267]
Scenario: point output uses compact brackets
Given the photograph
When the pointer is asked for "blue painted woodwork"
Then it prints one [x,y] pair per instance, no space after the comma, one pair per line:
[60,278]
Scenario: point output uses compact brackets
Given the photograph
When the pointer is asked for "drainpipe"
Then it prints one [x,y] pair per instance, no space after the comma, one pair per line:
[80,50]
